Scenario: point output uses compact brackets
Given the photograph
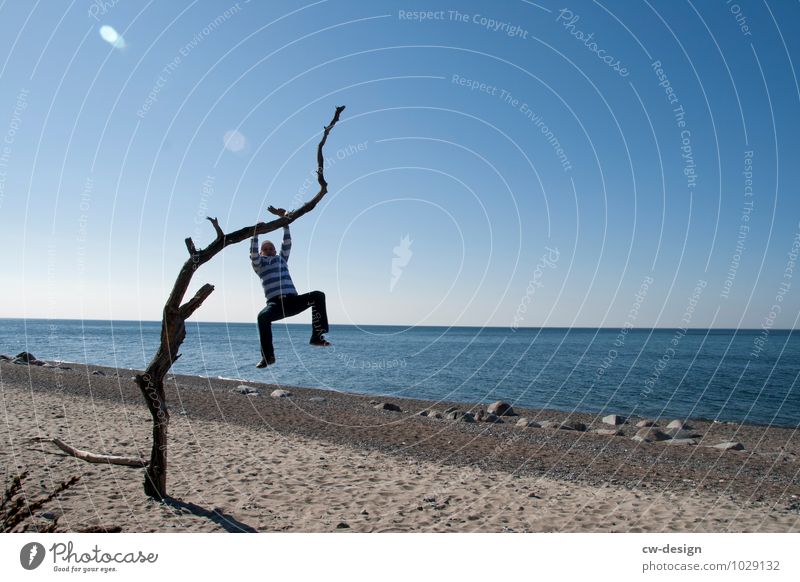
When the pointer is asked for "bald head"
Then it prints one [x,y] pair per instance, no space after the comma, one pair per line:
[268,249]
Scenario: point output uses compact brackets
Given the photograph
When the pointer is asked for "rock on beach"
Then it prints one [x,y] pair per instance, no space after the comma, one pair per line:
[608,432]
[646,423]
[679,425]
[614,419]
[650,434]
[500,408]
[729,446]
[460,415]
[572,425]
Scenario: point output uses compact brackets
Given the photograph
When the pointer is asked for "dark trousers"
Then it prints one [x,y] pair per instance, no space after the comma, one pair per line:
[287,306]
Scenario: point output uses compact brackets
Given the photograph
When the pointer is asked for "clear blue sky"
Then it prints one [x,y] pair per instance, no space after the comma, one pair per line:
[488,136]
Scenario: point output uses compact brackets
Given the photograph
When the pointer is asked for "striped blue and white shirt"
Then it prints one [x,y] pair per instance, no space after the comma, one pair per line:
[274,271]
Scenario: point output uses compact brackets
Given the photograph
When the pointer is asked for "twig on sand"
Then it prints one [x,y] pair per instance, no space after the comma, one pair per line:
[16,508]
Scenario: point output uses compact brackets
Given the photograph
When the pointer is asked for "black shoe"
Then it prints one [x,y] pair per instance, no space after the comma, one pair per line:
[266,362]
[319,341]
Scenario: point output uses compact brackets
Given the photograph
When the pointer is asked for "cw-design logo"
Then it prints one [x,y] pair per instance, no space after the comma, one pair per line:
[31,555]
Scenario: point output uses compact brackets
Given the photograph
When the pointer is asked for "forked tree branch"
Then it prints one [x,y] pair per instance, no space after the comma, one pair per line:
[173,332]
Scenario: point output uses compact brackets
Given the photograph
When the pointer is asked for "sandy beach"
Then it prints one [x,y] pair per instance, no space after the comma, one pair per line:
[321,461]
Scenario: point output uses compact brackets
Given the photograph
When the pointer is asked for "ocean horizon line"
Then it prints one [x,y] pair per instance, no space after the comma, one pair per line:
[412,326]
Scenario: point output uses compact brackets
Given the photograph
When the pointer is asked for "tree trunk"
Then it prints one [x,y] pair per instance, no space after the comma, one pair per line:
[155,480]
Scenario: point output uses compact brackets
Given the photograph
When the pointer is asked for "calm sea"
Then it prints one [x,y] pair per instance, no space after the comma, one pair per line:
[727,375]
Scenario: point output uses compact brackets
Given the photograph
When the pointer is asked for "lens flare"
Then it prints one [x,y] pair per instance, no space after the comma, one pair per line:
[112,37]
[234,141]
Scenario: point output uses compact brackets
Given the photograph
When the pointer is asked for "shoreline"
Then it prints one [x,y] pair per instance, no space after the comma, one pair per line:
[462,404]
[757,486]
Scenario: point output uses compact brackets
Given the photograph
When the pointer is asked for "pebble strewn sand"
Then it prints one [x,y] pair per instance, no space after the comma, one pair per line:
[298,464]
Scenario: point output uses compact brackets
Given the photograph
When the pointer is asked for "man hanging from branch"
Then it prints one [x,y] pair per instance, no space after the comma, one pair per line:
[282,298]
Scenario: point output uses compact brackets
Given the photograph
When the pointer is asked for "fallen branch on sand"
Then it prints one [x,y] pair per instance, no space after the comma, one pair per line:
[95,458]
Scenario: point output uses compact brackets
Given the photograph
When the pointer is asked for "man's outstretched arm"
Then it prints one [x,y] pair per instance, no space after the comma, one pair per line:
[255,258]
[286,247]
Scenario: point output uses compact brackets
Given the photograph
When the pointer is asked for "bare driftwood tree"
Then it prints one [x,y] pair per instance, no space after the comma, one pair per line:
[173,331]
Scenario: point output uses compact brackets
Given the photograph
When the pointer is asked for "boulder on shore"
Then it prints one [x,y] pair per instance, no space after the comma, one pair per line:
[500,408]
[528,423]
[614,419]
[686,441]
[729,446]
[650,434]
[646,423]
[388,406]
[460,415]
[679,425]
[609,432]
[682,434]
[572,425]
[27,358]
